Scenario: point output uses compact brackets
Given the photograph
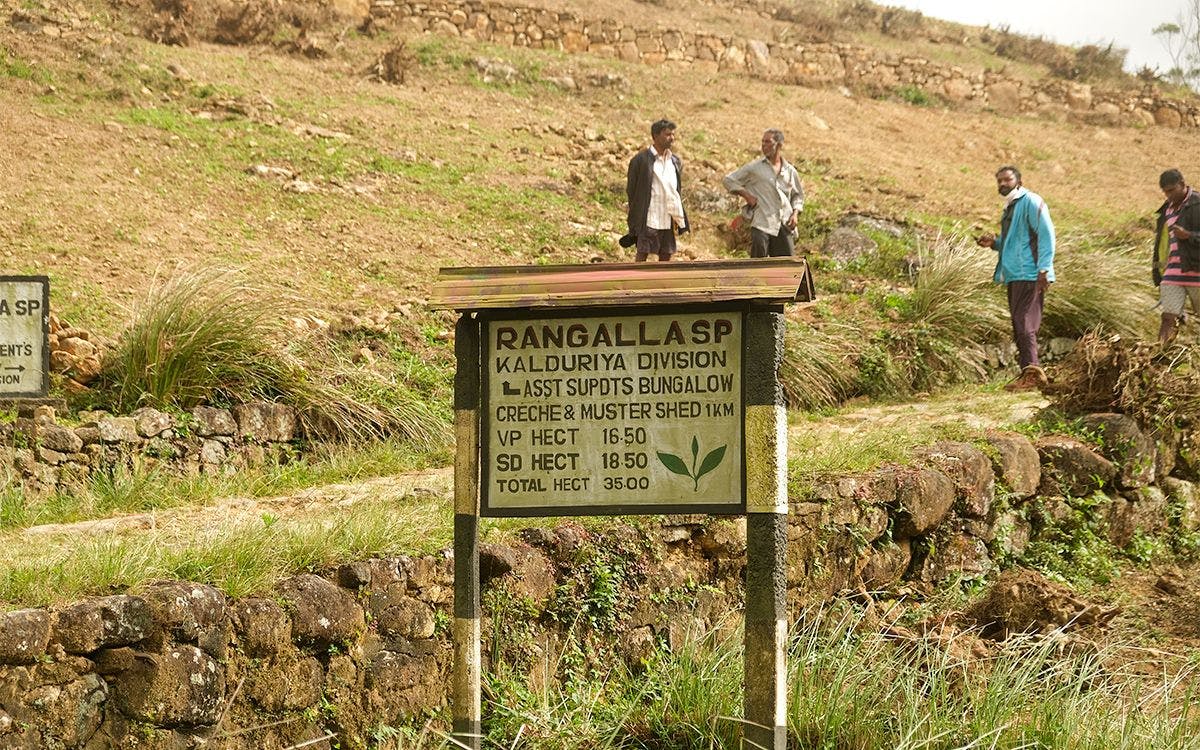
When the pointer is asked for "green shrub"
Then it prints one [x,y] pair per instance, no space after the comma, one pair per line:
[914,95]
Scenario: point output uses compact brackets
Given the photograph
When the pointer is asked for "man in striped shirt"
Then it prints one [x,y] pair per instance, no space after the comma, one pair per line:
[1176,261]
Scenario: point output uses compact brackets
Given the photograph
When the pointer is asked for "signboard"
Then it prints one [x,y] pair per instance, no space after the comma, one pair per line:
[24,333]
[613,413]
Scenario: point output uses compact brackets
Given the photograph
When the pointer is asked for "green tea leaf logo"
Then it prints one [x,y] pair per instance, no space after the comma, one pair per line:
[676,465]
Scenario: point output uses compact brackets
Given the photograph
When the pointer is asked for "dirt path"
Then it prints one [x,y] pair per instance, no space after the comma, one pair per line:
[434,485]
[973,409]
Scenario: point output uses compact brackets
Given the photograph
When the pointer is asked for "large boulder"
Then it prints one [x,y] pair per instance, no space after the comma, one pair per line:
[152,422]
[846,244]
[89,625]
[291,683]
[322,613]
[1184,501]
[886,564]
[408,618]
[400,687]
[954,554]
[923,498]
[262,628]
[1016,463]
[1073,468]
[181,687]
[58,439]
[970,471]
[53,705]
[1143,510]
[190,613]
[212,422]
[24,635]
[266,422]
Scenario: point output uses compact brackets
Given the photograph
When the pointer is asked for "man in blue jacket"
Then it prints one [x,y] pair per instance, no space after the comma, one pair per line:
[1025,265]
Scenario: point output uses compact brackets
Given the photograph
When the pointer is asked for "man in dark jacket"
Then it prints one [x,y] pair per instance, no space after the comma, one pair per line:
[1175,265]
[653,188]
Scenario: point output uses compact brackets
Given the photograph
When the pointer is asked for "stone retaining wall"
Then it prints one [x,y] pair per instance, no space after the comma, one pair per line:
[340,655]
[47,456]
[829,64]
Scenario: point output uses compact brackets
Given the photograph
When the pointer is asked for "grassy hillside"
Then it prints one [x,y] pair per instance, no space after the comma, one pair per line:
[126,158]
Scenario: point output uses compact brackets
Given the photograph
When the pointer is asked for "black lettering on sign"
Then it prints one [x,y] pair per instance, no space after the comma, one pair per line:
[16,350]
[578,335]
[28,306]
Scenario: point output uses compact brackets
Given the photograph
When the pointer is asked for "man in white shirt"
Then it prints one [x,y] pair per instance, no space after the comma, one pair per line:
[653,188]
[771,188]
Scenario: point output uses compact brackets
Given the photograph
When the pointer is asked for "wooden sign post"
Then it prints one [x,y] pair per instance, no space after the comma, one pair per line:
[625,389]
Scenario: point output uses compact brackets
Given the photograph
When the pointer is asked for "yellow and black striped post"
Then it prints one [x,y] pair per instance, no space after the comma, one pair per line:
[466,697]
[766,535]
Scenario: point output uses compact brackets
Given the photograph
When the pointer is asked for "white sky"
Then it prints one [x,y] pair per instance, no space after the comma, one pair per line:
[1127,22]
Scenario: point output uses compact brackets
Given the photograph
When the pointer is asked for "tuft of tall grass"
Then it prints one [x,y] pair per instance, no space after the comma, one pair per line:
[954,296]
[212,337]
[199,337]
[1109,288]
[819,367]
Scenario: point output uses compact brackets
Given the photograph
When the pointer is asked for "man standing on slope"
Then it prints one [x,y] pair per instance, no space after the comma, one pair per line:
[653,188]
[1176,260]
[771,188]
[1025,265]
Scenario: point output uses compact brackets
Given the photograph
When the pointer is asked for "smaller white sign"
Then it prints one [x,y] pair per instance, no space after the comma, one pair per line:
[24,333]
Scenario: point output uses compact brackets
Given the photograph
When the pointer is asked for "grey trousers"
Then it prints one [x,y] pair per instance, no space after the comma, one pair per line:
[1025,306]
[763,245]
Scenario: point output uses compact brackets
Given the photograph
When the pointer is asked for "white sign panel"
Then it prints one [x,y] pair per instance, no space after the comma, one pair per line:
[613,414]
[24,325]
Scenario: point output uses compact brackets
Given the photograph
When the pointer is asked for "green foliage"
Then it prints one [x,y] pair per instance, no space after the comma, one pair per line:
[914,95]
[1073,547]
[591,597]
[1053,422]
[12,66]
[878,371]
[1144,549]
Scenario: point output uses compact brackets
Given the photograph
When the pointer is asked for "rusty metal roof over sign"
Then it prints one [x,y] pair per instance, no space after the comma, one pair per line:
[608,284]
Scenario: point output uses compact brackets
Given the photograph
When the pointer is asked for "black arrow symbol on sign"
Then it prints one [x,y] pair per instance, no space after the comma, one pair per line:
[19,368]
[509,390]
